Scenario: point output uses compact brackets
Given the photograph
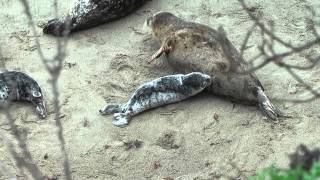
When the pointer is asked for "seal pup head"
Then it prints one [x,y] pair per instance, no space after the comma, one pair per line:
[197,81]
[37,100]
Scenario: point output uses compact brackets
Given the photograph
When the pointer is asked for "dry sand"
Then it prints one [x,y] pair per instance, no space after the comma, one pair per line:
[183,141]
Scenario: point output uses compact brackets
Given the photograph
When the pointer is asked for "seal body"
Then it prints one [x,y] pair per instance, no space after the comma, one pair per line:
[85,14]
[159,92]
[192,47]
[16,86]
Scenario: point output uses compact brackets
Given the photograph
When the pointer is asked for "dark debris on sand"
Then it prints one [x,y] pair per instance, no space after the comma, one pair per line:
[304,157]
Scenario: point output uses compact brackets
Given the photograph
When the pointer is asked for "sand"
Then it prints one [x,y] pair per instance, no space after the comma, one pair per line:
[105,64]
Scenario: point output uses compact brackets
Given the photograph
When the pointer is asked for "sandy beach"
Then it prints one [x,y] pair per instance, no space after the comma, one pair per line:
[105,64]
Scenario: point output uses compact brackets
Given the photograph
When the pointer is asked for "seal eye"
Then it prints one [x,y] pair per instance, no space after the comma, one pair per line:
[36,94]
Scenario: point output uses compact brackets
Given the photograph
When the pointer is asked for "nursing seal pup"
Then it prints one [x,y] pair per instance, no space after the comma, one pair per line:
[165,90]
[15,86]
[193,47]
[86,14]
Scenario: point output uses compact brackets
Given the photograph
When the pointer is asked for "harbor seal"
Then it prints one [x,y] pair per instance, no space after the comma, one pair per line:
[85,14]
[191,46]
[165,90]
[15,86]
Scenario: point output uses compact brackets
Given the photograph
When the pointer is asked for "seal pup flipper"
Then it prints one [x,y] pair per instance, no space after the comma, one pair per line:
[110,109]
[270,110]
[121,119]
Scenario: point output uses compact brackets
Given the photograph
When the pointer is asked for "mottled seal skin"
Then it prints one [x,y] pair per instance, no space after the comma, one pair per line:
[15,86]
[86,14]
[165,90]
[192,47]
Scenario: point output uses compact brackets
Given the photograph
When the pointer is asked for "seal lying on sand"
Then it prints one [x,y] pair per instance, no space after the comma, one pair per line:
[86,14]
[15,86]
[161,91]
[192,47]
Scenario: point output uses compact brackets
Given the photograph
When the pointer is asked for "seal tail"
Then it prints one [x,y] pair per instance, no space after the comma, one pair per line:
[58,27]
[110,109]
[270,110]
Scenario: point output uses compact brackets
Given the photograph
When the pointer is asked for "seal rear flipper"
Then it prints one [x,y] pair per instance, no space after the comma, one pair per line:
[121,119]
[110,109]
[270,110]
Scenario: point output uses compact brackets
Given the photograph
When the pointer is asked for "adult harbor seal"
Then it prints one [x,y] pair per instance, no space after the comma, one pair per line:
[85,14]
[165,90]
[192,47]
[15,86]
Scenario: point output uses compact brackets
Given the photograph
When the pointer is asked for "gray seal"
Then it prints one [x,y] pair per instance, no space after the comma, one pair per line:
[191,46]
[16,86]
[165,90]
[84,14]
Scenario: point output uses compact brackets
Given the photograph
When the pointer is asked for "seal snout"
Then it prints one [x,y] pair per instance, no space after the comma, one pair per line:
[207,80]
[41,110]
[55,27]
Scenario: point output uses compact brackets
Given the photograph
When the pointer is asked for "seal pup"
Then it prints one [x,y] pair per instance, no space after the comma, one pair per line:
[191,46]
[85,14]
[15,86]
[165,90]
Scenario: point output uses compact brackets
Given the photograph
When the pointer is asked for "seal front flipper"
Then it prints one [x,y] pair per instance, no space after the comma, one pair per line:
[166,47]
[270,110]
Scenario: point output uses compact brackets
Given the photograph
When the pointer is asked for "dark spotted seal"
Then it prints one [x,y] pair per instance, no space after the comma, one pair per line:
[161,91]
[15,86]
[192,47]
[86,14]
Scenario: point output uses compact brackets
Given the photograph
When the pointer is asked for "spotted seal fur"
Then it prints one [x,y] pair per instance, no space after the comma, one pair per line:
[15,86]
[165,90]
[191,46]
[86,14]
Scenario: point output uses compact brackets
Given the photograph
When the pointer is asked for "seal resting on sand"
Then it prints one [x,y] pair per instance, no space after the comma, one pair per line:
[159,92]
[15,86]
[85,14]
[192,47]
